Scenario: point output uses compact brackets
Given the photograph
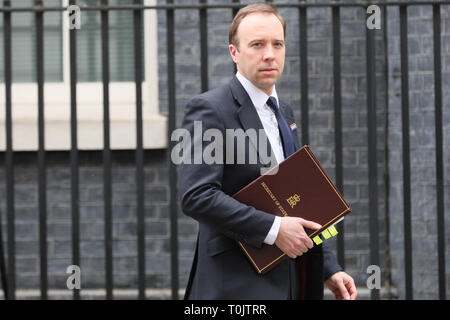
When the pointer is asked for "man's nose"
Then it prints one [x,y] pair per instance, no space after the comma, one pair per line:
[269,53]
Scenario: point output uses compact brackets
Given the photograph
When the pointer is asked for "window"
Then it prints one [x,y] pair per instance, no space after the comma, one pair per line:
[23,44]
[89,85]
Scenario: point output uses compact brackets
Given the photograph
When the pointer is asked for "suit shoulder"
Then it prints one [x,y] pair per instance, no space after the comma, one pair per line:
[214,97]
[284,103]
[212,105]
[286,107]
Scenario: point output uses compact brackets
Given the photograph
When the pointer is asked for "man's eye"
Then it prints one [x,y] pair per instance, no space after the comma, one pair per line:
[257,44]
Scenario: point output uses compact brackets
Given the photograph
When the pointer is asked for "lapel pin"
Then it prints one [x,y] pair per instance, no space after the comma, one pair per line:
[293,126]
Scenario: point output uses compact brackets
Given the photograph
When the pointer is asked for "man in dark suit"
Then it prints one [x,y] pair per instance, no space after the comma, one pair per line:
[249,102]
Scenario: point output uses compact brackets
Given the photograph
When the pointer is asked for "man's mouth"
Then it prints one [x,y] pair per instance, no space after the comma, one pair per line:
[268,70]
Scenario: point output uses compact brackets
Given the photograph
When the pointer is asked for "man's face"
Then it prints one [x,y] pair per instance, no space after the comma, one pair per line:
[261,51]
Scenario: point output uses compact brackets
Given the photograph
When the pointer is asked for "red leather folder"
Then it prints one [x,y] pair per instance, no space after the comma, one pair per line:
[300,188]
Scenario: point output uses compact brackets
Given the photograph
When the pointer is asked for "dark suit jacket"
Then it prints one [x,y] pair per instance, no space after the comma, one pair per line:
[220,270]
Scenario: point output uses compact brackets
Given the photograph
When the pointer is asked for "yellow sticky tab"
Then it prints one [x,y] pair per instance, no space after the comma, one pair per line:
[326,234]
[317,240]
[332,231]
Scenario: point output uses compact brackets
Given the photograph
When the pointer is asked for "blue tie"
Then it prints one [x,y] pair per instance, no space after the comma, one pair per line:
[286,136]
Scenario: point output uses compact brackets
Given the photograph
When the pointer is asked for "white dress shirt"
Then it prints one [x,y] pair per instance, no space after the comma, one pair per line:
[270,124]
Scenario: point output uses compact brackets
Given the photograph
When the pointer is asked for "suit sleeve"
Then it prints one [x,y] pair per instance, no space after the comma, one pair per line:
[200,185]
[330,263]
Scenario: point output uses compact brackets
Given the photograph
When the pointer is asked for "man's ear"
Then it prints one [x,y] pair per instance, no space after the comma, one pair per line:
[233,52]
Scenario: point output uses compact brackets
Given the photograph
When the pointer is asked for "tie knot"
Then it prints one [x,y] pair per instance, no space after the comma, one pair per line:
[272,103]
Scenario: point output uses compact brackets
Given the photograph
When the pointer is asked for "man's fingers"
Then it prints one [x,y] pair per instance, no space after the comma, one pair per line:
[303,248]
[343,290]
[342,285]
[351,288]
[353,293]
[310,224]
[292,238]
[309,243]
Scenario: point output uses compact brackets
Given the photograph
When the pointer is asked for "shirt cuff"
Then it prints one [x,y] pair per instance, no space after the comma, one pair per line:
[273,232]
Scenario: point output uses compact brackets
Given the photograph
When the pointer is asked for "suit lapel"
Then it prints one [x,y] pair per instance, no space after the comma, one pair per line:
[289,120]
[248,116]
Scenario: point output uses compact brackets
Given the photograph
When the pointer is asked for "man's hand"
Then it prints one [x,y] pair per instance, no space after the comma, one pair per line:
[292,238]
[342,285]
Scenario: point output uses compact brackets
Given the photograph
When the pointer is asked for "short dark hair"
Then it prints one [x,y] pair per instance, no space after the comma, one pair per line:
[245,11]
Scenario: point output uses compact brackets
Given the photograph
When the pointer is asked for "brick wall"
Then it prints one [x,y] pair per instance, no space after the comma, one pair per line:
[91,219]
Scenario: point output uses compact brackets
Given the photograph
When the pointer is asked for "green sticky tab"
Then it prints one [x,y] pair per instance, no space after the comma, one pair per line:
[332,231]
[317,240]
[326,234]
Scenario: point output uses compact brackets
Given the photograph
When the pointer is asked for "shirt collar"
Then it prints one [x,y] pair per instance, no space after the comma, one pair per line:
[258,97]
